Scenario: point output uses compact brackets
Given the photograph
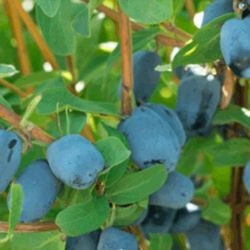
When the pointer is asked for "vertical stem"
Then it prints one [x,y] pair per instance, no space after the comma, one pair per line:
[48,56]
[127,69]
[70,64]
[238,192]
[17,33]
[190,8]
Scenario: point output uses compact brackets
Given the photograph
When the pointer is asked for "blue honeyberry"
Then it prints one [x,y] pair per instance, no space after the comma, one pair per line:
[205,236]
[158,220]
[235,45]
[246,177]
[116,239]
[10,157]
[83,242]
[151,139]
[197,101]
[216,9]
[185,220]
[75,161]
[40,188]
[145,76]
[175,193]
[170,117]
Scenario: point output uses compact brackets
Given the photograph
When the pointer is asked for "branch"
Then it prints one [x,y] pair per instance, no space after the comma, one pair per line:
[170,27]
[17,33]
[238,192]
[14,119]
[227,88]
[47,54]
[127,69]
[31,227]
[163,39]
[190,8]
[12,88]
[70,64]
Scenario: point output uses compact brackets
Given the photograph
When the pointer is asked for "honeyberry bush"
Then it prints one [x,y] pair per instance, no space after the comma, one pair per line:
[167,176]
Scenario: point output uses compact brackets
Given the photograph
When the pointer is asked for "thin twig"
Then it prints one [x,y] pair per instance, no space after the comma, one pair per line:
[17,33]
[14,119]
[161,38]
[127,69]
[32,227]
[46,52]
[87,132]
[238,192]
[190,8]
[12,88]
[70,64]
[227,88]
[181,33]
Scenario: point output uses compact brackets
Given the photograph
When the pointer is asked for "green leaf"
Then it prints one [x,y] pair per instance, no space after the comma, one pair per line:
[114,174]
[113,151]
[222,179]
[84,217]
[16,204]
[4,102]
[233,114]
[56,98]
[49,7]
[37,78]
[205,45]
[137,186]
[193,157]
[148,11]
[234,152]
[58,31]
[7,70]
[125,216]
[161,242]
[38,241]
[81,22]
[217,212]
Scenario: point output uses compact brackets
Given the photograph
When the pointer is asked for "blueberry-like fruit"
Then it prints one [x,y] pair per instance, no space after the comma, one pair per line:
[83,242]
[145,75]
[205,236]
[40,188]
[175,193]
[185,220]
[216,9]
[158,220]
[75,161]
[116,239]
[197,100]
[235,45]
[170,117]
[246,177]
[151,139]
[10,157]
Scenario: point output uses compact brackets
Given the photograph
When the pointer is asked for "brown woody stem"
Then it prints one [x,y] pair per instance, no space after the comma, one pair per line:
[32,227]
[14,119]
[127,69]
[47,54]
[12,88]
[238,192]
[17,33]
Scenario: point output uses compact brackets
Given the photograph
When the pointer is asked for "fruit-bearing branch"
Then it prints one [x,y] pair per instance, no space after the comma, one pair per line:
[15,120]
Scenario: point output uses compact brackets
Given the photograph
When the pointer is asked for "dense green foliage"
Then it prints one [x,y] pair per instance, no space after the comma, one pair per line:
[62,102]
